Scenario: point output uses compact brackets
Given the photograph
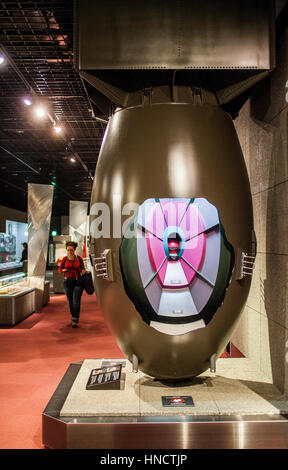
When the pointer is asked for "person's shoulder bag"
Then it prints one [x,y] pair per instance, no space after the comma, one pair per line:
[87,281]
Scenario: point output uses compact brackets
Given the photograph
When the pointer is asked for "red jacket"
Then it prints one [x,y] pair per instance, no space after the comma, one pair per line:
[75,267]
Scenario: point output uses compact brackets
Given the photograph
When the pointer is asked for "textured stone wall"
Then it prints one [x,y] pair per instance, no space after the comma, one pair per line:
[262,333]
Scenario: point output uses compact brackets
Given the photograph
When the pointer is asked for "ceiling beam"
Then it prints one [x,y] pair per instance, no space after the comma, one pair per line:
[19,160]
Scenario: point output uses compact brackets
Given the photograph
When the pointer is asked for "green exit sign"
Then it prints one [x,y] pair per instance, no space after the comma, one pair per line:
[54,233]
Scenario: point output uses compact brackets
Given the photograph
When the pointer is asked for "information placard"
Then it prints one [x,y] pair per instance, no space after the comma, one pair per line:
[177,401]
[105,378]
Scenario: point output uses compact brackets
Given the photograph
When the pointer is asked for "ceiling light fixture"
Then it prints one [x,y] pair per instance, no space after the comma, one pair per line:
[40,112]
[72,159]
[2,59]
[57,129]
[27,101]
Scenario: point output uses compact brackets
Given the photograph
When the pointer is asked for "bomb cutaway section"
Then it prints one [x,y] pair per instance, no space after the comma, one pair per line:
[176,262]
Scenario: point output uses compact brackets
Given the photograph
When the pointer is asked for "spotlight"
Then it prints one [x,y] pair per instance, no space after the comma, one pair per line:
[72,159]
[2,59]
[57,129]
[40,112]
[27,101]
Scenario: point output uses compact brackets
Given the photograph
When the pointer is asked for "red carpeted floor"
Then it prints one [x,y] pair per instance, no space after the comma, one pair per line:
[34,356]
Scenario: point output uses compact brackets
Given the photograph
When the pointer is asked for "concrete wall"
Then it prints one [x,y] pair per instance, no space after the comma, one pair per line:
[262,333]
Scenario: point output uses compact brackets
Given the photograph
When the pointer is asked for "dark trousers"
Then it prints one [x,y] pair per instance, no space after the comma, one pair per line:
[73,290]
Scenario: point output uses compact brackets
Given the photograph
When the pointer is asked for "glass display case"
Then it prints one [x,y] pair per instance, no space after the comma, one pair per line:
[17,298]
[13,284]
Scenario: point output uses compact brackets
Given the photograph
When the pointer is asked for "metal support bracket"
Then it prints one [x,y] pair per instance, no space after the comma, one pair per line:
[103,265]
[213,363]
[147,96]
[135,363]
[197,94]
[244,264]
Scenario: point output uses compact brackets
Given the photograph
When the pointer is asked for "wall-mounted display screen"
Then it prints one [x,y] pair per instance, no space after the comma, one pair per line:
[11,247]
[7,248]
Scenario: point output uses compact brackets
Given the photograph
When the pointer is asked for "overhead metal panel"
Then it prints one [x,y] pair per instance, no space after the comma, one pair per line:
[40,198]
[175,34]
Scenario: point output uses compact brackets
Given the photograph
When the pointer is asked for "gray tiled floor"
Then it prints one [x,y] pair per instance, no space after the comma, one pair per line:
[236,388]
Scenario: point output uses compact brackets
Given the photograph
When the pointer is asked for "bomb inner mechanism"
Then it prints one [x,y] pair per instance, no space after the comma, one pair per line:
[174,244]
[177,267]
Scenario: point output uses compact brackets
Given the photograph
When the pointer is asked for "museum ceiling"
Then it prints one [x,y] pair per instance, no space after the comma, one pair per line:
[36,39]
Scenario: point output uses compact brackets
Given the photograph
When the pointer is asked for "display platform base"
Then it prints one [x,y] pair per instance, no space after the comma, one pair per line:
[237,407]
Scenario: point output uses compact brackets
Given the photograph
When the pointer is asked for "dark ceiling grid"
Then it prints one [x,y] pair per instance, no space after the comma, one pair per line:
[38,36]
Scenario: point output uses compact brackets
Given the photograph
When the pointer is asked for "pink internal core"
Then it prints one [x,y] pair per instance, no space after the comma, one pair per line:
[173,245]
[173,268]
